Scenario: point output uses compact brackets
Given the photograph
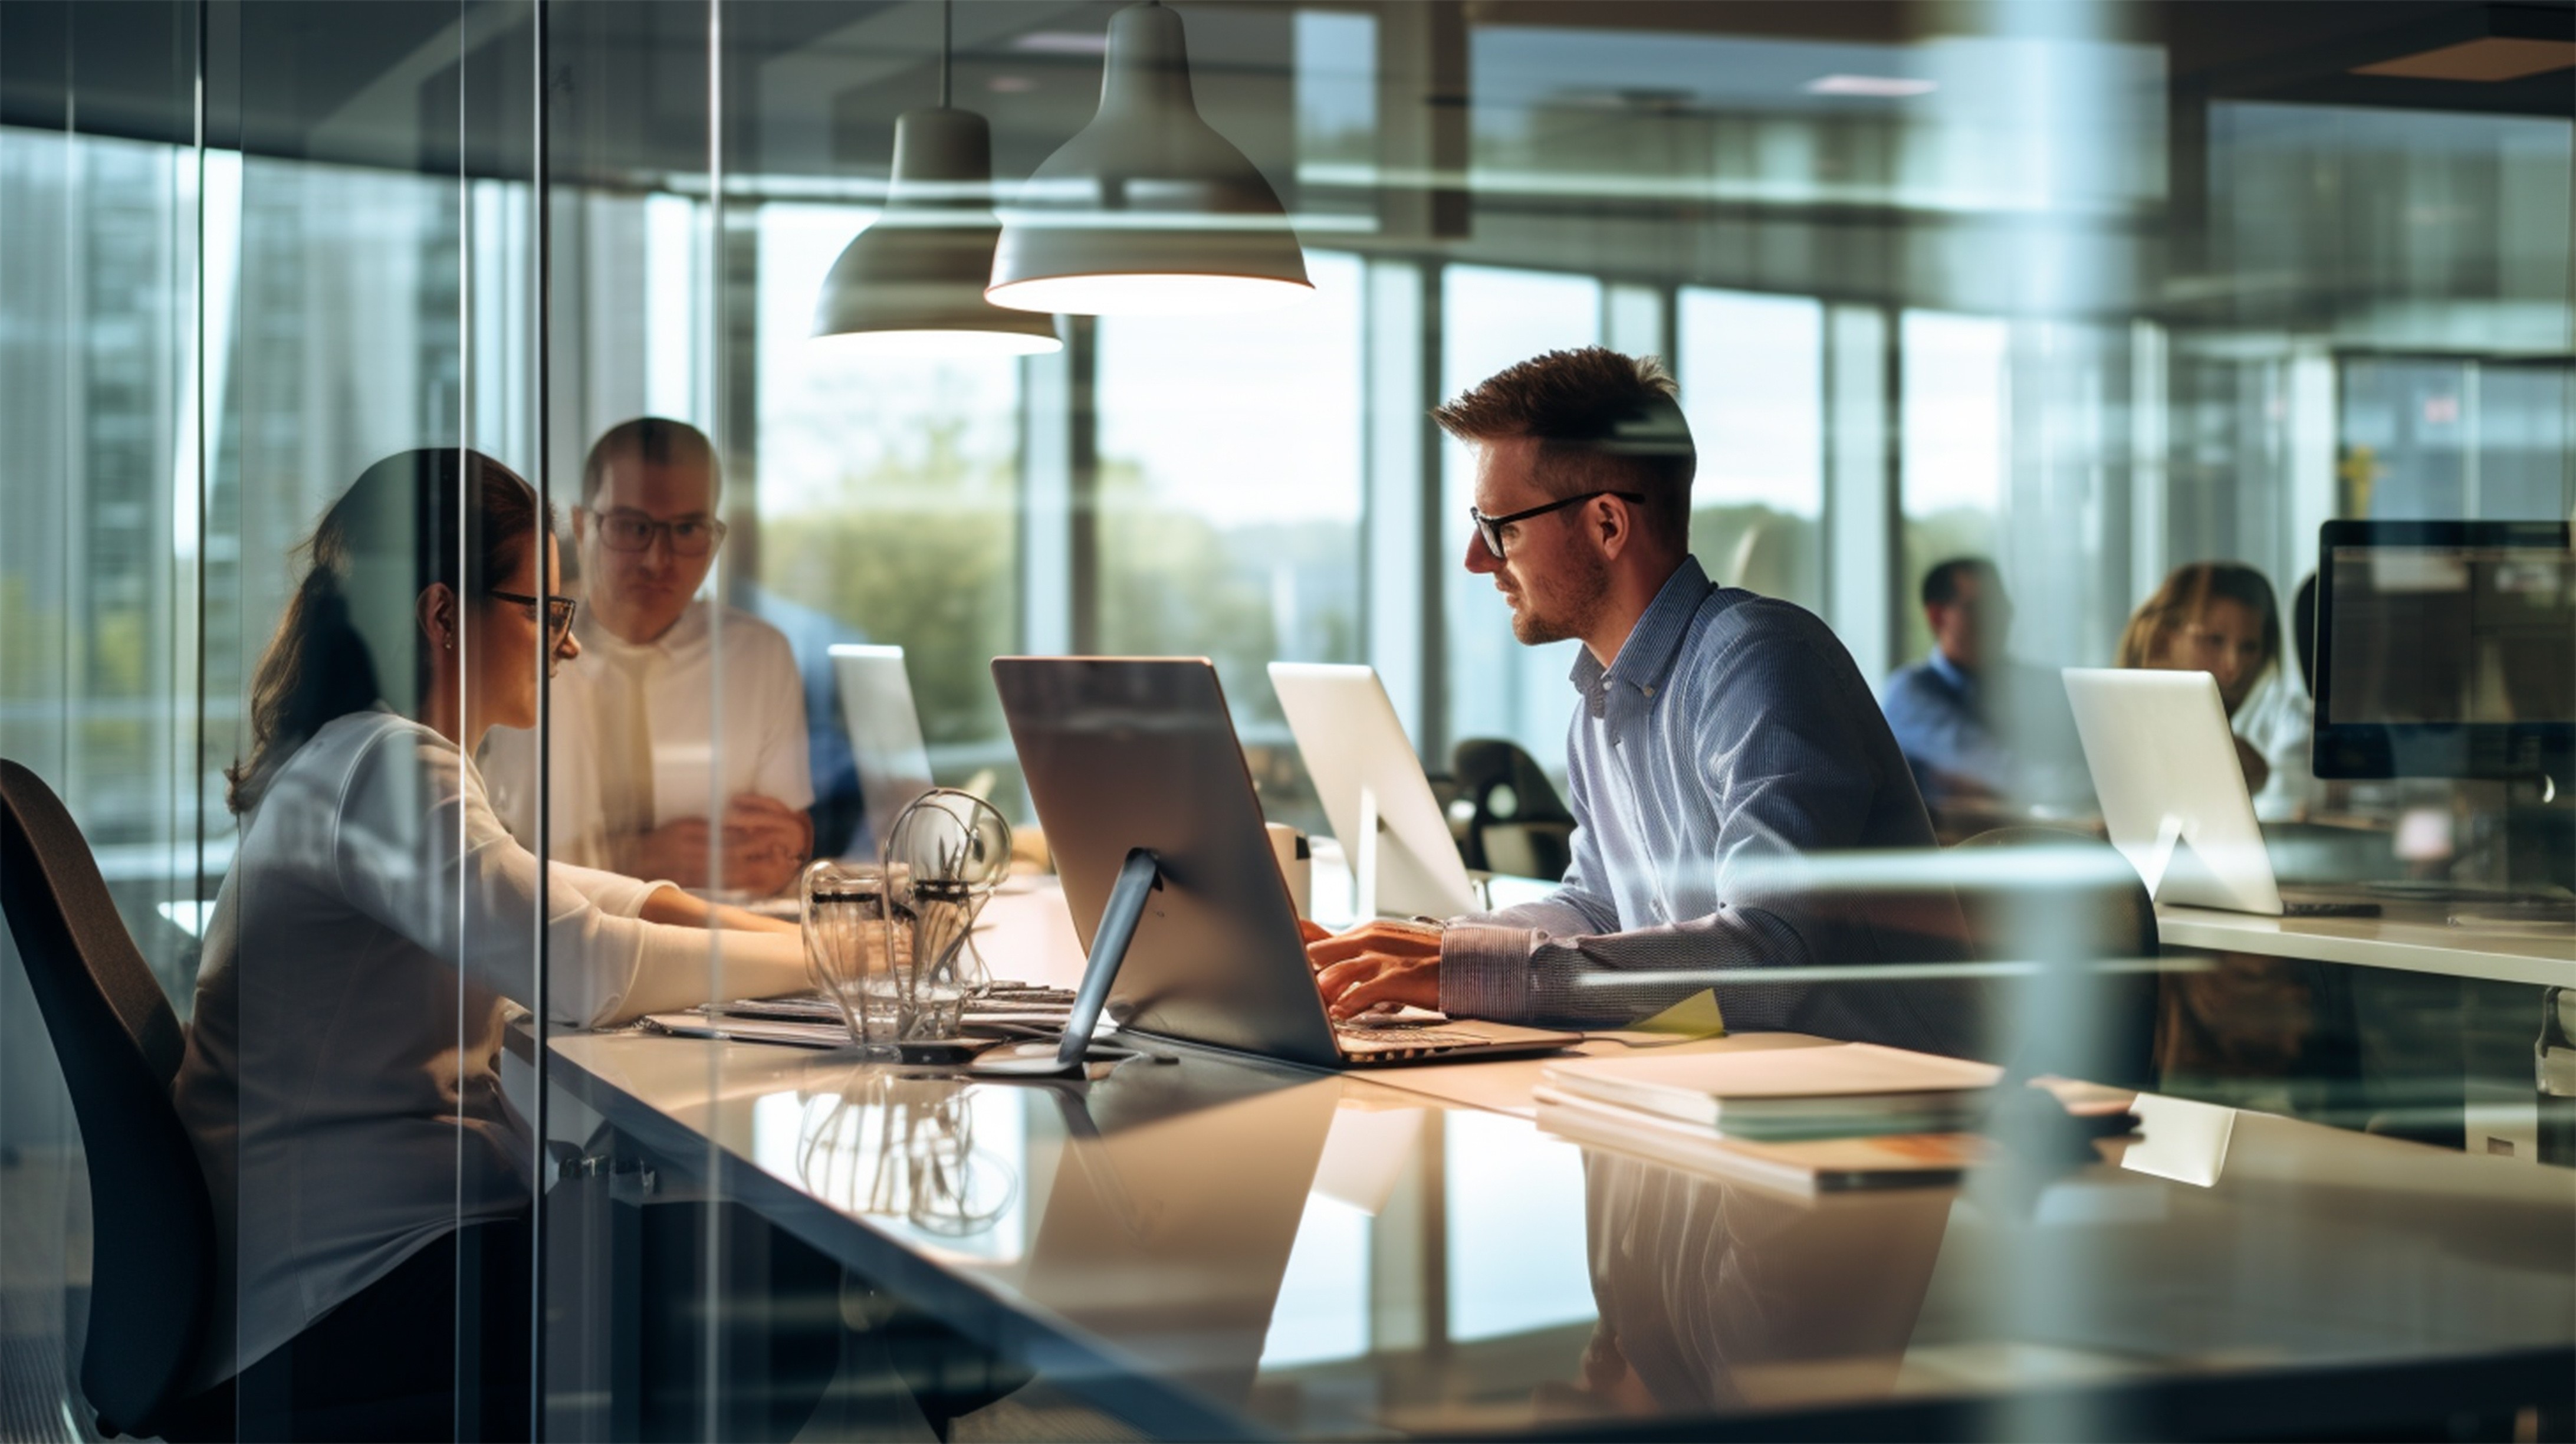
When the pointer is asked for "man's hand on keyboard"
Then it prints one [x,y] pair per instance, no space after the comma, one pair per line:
[1377,963]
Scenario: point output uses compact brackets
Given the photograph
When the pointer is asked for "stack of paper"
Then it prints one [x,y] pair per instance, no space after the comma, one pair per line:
[1841,1116]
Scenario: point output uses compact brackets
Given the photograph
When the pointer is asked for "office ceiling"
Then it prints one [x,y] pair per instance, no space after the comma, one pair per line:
[811,89]
[323,79]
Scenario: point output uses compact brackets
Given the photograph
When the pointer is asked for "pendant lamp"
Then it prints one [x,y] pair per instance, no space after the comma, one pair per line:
[1147,211]
[912,283]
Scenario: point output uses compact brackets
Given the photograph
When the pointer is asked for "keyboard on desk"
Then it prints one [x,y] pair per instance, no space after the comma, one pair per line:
[1364,1044]
[1361,1037]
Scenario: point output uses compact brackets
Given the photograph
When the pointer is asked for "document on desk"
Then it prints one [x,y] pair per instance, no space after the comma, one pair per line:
[1841,1091]
[1797,1167]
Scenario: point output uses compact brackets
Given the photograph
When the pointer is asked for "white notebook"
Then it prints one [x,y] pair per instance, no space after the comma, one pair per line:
[1779,1092]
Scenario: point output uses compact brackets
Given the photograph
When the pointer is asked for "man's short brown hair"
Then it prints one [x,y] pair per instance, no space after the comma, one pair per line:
[1603,421]
[655,441]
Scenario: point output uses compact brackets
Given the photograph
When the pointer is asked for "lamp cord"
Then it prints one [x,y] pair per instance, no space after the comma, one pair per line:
[947,36]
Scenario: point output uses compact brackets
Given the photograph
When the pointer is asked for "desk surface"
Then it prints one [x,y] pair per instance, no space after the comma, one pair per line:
[2413,937]
[1226,1246]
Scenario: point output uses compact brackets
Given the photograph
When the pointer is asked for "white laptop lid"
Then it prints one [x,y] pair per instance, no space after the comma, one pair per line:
[885,729]
[2173,794]
[1352,741]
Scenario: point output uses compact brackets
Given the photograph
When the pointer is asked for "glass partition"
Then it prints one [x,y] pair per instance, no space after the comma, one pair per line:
[455,596]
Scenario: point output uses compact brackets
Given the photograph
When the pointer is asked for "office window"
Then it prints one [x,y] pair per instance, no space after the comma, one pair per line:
[1230,487]
[2432,437]
[98,652]
[1957,444]
[1337,118]
[1752,375]
[888,502]
[1492,318]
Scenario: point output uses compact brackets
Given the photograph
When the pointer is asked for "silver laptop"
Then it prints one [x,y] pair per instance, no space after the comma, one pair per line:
[1373,791]
[884,726]
[2173,794]
[1126,753]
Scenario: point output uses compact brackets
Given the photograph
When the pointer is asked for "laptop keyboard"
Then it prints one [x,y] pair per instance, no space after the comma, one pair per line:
[1387,1039]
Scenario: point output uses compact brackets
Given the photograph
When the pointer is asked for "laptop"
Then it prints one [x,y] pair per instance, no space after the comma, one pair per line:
[1128,753]
[1373,791]
[885,729]
[2173,794]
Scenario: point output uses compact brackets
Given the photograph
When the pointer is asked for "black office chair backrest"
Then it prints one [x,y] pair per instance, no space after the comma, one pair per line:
[152,1273]
[2099,1025]
[1520,825]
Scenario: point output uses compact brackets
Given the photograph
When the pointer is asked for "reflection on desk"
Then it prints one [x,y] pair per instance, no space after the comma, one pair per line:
[1228,1245]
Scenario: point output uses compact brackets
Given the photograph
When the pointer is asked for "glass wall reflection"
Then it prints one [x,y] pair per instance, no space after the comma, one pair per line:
[2083,298]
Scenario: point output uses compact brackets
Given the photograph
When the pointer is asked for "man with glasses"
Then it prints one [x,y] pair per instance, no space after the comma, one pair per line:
[1720,740]
[680,746]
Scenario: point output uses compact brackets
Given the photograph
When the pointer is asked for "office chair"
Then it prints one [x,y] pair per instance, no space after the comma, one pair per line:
[1520,826]
[152,1276]
[2073,923]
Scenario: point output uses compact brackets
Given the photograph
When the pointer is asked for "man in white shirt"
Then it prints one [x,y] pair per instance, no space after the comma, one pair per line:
[679,711]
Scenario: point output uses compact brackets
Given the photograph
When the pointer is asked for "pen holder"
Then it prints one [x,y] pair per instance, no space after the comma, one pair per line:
[854,959]
[944,855]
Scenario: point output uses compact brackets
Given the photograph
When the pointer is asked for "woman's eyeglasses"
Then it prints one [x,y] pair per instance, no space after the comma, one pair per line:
[625,530]
[559,612]
[1491,527]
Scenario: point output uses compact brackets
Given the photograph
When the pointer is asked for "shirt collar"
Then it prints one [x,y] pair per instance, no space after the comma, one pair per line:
[1648,653]
[689,631]
[1951,672]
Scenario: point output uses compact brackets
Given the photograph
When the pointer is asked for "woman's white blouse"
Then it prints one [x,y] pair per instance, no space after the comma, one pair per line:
[341,1081]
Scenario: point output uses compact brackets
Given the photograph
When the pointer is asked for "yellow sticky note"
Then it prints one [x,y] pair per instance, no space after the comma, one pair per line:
[1696,1016]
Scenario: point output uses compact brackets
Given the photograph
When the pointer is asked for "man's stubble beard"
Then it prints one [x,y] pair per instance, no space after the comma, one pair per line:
[1574,611]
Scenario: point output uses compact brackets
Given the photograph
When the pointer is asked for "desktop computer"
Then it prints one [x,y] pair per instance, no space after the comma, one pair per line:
[2446,649]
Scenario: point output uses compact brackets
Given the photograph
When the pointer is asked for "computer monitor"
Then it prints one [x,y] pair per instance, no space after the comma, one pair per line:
[885,730]
[2446,649]
[2173,794]
[1373,790]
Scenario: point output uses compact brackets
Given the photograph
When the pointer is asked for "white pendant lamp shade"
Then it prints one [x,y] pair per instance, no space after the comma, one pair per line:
[912,283]
[1147,211]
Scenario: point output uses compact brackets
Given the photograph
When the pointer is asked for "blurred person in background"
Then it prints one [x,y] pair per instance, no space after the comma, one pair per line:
[2219,618]
[1983,732]
[680,747]
[2250,1021]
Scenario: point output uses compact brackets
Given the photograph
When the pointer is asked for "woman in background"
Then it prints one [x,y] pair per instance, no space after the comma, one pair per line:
[2219,618]
[2258,1028]
[371,1183]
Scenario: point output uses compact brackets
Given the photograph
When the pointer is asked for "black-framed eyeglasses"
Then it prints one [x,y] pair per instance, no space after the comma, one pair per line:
[626,530]
[559,612]
[1491,527]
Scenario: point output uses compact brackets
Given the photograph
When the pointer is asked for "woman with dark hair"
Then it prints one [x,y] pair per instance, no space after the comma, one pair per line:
[371,1182]
[2219,618]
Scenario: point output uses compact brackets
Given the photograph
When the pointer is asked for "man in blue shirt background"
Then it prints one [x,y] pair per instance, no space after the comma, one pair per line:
[1722,740]
[1983,733]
